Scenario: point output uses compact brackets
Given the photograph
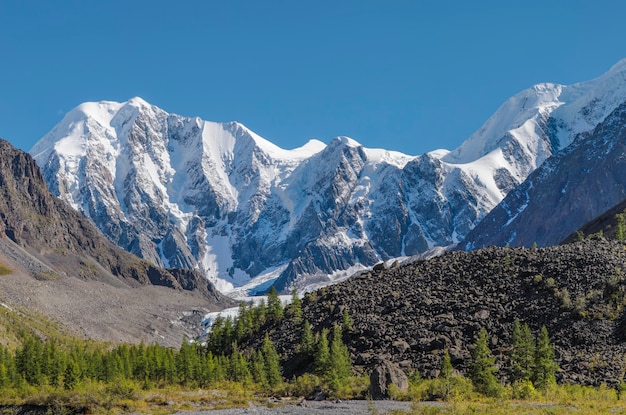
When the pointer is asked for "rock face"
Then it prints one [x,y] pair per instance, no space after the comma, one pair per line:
[183,192]
[49,240]
[410,314]
[567,191]
[385,374]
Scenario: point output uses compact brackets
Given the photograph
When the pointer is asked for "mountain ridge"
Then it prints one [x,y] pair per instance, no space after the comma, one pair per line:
[218,198]
[61,264]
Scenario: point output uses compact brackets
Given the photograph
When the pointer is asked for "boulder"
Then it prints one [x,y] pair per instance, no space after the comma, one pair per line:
[384,374]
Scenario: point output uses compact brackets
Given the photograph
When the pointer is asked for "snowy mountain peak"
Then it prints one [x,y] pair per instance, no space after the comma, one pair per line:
[619,66]
[217,197]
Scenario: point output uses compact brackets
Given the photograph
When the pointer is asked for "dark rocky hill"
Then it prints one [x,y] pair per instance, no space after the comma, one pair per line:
[43,239]
[410,314]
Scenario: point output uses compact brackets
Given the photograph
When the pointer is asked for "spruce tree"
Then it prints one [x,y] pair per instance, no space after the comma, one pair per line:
[545,365]
[482,369]
[522,353]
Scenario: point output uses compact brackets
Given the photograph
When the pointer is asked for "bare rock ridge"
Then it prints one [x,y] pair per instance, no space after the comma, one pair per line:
[44,238]
[408,315]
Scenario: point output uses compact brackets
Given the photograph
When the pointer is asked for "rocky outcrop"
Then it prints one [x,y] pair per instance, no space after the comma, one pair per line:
[410,314]
[385,374]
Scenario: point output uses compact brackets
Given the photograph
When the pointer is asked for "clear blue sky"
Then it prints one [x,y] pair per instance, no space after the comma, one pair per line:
[410,76]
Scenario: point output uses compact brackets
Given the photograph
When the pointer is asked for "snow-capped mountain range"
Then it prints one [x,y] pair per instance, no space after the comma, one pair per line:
[184,192]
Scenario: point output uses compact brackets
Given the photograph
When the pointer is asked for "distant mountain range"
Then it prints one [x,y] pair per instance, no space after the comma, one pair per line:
[216,197]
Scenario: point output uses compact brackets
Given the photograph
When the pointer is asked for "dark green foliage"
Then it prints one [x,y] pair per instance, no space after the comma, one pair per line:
[322,355]
[272,363]
[347,321]
[295,308]
[545,366]
[483,369]
[522,353]
[307,342]
[274,305]
[340,363]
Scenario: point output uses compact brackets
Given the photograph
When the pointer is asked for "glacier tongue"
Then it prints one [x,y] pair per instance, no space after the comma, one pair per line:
[185,192]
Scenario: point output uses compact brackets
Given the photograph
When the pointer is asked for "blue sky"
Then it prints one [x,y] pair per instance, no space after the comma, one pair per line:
[410,76]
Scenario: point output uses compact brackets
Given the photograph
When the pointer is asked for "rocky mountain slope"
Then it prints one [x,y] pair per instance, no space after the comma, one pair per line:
[408,315]
[218,198]
[61,265]
[567,191]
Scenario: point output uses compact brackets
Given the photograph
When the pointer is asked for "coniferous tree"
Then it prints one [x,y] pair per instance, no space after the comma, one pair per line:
[545,364]
[72,375]
[322,355]
[260,314]
[339,360]
[258,369]
[522,353]
[274,305]
[482,369]
[271,358]
[29,360]
[446,366]
[307,342]
[347,321]
[295,307]
[239,371]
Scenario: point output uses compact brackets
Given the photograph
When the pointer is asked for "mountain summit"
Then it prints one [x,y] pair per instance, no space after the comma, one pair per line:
[184,192]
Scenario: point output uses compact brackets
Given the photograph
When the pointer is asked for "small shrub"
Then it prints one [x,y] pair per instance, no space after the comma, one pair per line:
[537,279]
[306,385]
[525,390]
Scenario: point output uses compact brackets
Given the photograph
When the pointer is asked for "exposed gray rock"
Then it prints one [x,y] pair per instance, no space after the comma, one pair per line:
[385,374]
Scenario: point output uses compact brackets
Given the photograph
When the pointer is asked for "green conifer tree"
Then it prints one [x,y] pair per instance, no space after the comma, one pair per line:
[545,364]
[274,305]
[446,366]
[295,307]
[72,375]
[307,342]
[322,355]
[259,371]
[347,321]
[482,369]
[239,370]
[273,370]
[339,361]
[522,353]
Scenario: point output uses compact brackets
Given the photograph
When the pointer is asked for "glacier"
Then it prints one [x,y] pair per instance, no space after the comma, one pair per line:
[184,192]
